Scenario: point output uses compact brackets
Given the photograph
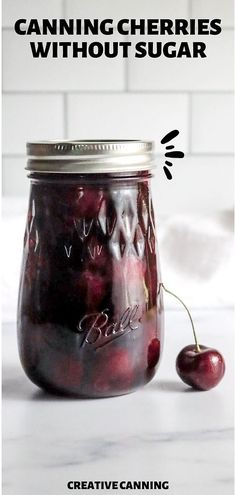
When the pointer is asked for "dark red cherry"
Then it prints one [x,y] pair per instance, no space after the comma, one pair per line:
[88,202]
[129,269]
[94,287]
[98,257]
[66,373]
[114,371]
[35,264]
[199,366]
[153,353]
[201,370]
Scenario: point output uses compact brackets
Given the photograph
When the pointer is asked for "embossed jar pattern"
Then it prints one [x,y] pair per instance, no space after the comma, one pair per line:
[90,310]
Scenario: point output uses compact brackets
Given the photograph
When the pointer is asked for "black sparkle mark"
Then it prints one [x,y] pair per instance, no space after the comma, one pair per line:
[168,137]
[167,172]
[170,154]
[174,154]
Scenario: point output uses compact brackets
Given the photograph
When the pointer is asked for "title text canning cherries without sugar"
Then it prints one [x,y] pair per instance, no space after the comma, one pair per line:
[89,316]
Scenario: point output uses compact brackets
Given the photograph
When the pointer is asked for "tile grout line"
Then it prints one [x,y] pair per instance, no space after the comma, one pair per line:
[190,9]
[64,9]
[126,73]
[119,92]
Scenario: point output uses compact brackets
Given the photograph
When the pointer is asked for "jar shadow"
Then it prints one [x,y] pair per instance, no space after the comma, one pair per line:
[43,395]
[16,386]
[168,386]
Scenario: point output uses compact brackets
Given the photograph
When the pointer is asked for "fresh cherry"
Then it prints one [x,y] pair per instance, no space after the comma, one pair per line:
[199,366]
[202,369]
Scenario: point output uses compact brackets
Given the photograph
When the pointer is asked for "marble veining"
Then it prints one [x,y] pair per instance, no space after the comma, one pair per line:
[162,432]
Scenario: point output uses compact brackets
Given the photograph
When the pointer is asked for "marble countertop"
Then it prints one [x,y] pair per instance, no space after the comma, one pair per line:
[165,431]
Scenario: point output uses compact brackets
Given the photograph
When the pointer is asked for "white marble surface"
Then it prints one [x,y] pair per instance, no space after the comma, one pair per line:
[163,432]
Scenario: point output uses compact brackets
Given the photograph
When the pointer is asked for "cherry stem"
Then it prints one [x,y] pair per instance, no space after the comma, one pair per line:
[190,317]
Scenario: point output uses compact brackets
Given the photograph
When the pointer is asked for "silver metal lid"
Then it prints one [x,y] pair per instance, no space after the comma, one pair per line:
[90,156]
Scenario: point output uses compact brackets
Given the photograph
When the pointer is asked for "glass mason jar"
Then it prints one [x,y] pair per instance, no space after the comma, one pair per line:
[90,312]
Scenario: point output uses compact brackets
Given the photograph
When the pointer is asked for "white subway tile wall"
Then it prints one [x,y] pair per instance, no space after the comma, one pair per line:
[30,117]
[128,115]
[201,184]
[215,72]
[58,74]
[27,9]
[13,182]
[126,98]
[214,9]
[131,9]
[212,118]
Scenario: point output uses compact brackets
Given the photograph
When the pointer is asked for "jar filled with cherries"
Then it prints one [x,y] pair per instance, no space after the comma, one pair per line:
[90,315]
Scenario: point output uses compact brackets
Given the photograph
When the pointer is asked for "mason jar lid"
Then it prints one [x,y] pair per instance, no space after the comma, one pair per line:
[90,156]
